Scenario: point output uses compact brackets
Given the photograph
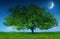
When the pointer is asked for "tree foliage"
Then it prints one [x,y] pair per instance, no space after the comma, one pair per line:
[30,17]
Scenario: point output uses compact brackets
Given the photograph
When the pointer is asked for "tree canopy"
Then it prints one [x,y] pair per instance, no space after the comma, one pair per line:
[30,17]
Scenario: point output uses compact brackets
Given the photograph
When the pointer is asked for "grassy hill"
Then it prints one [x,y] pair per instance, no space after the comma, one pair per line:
[18,35]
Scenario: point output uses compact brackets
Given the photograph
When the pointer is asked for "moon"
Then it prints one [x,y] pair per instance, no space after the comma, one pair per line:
[51,5]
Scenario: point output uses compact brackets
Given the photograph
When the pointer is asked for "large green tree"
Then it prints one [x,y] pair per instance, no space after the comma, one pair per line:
[30,17]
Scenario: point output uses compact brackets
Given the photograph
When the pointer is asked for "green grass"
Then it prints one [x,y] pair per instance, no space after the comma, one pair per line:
[17,35]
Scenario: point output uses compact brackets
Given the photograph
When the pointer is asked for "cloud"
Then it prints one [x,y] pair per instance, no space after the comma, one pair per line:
[11,29]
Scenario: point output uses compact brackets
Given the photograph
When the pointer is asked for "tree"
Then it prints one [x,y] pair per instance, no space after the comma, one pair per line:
[30,17]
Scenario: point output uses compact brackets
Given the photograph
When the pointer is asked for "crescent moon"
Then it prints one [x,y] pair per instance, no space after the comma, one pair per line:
[51,5]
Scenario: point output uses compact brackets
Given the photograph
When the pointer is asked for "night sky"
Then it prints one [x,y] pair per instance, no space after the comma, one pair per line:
[4,5]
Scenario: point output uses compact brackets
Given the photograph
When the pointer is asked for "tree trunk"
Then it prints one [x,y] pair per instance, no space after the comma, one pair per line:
[32,29]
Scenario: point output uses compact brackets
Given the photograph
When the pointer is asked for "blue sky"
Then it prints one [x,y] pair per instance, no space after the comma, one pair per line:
[4,5]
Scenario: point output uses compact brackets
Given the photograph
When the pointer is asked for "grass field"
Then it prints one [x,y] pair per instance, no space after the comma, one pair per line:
[17,35]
